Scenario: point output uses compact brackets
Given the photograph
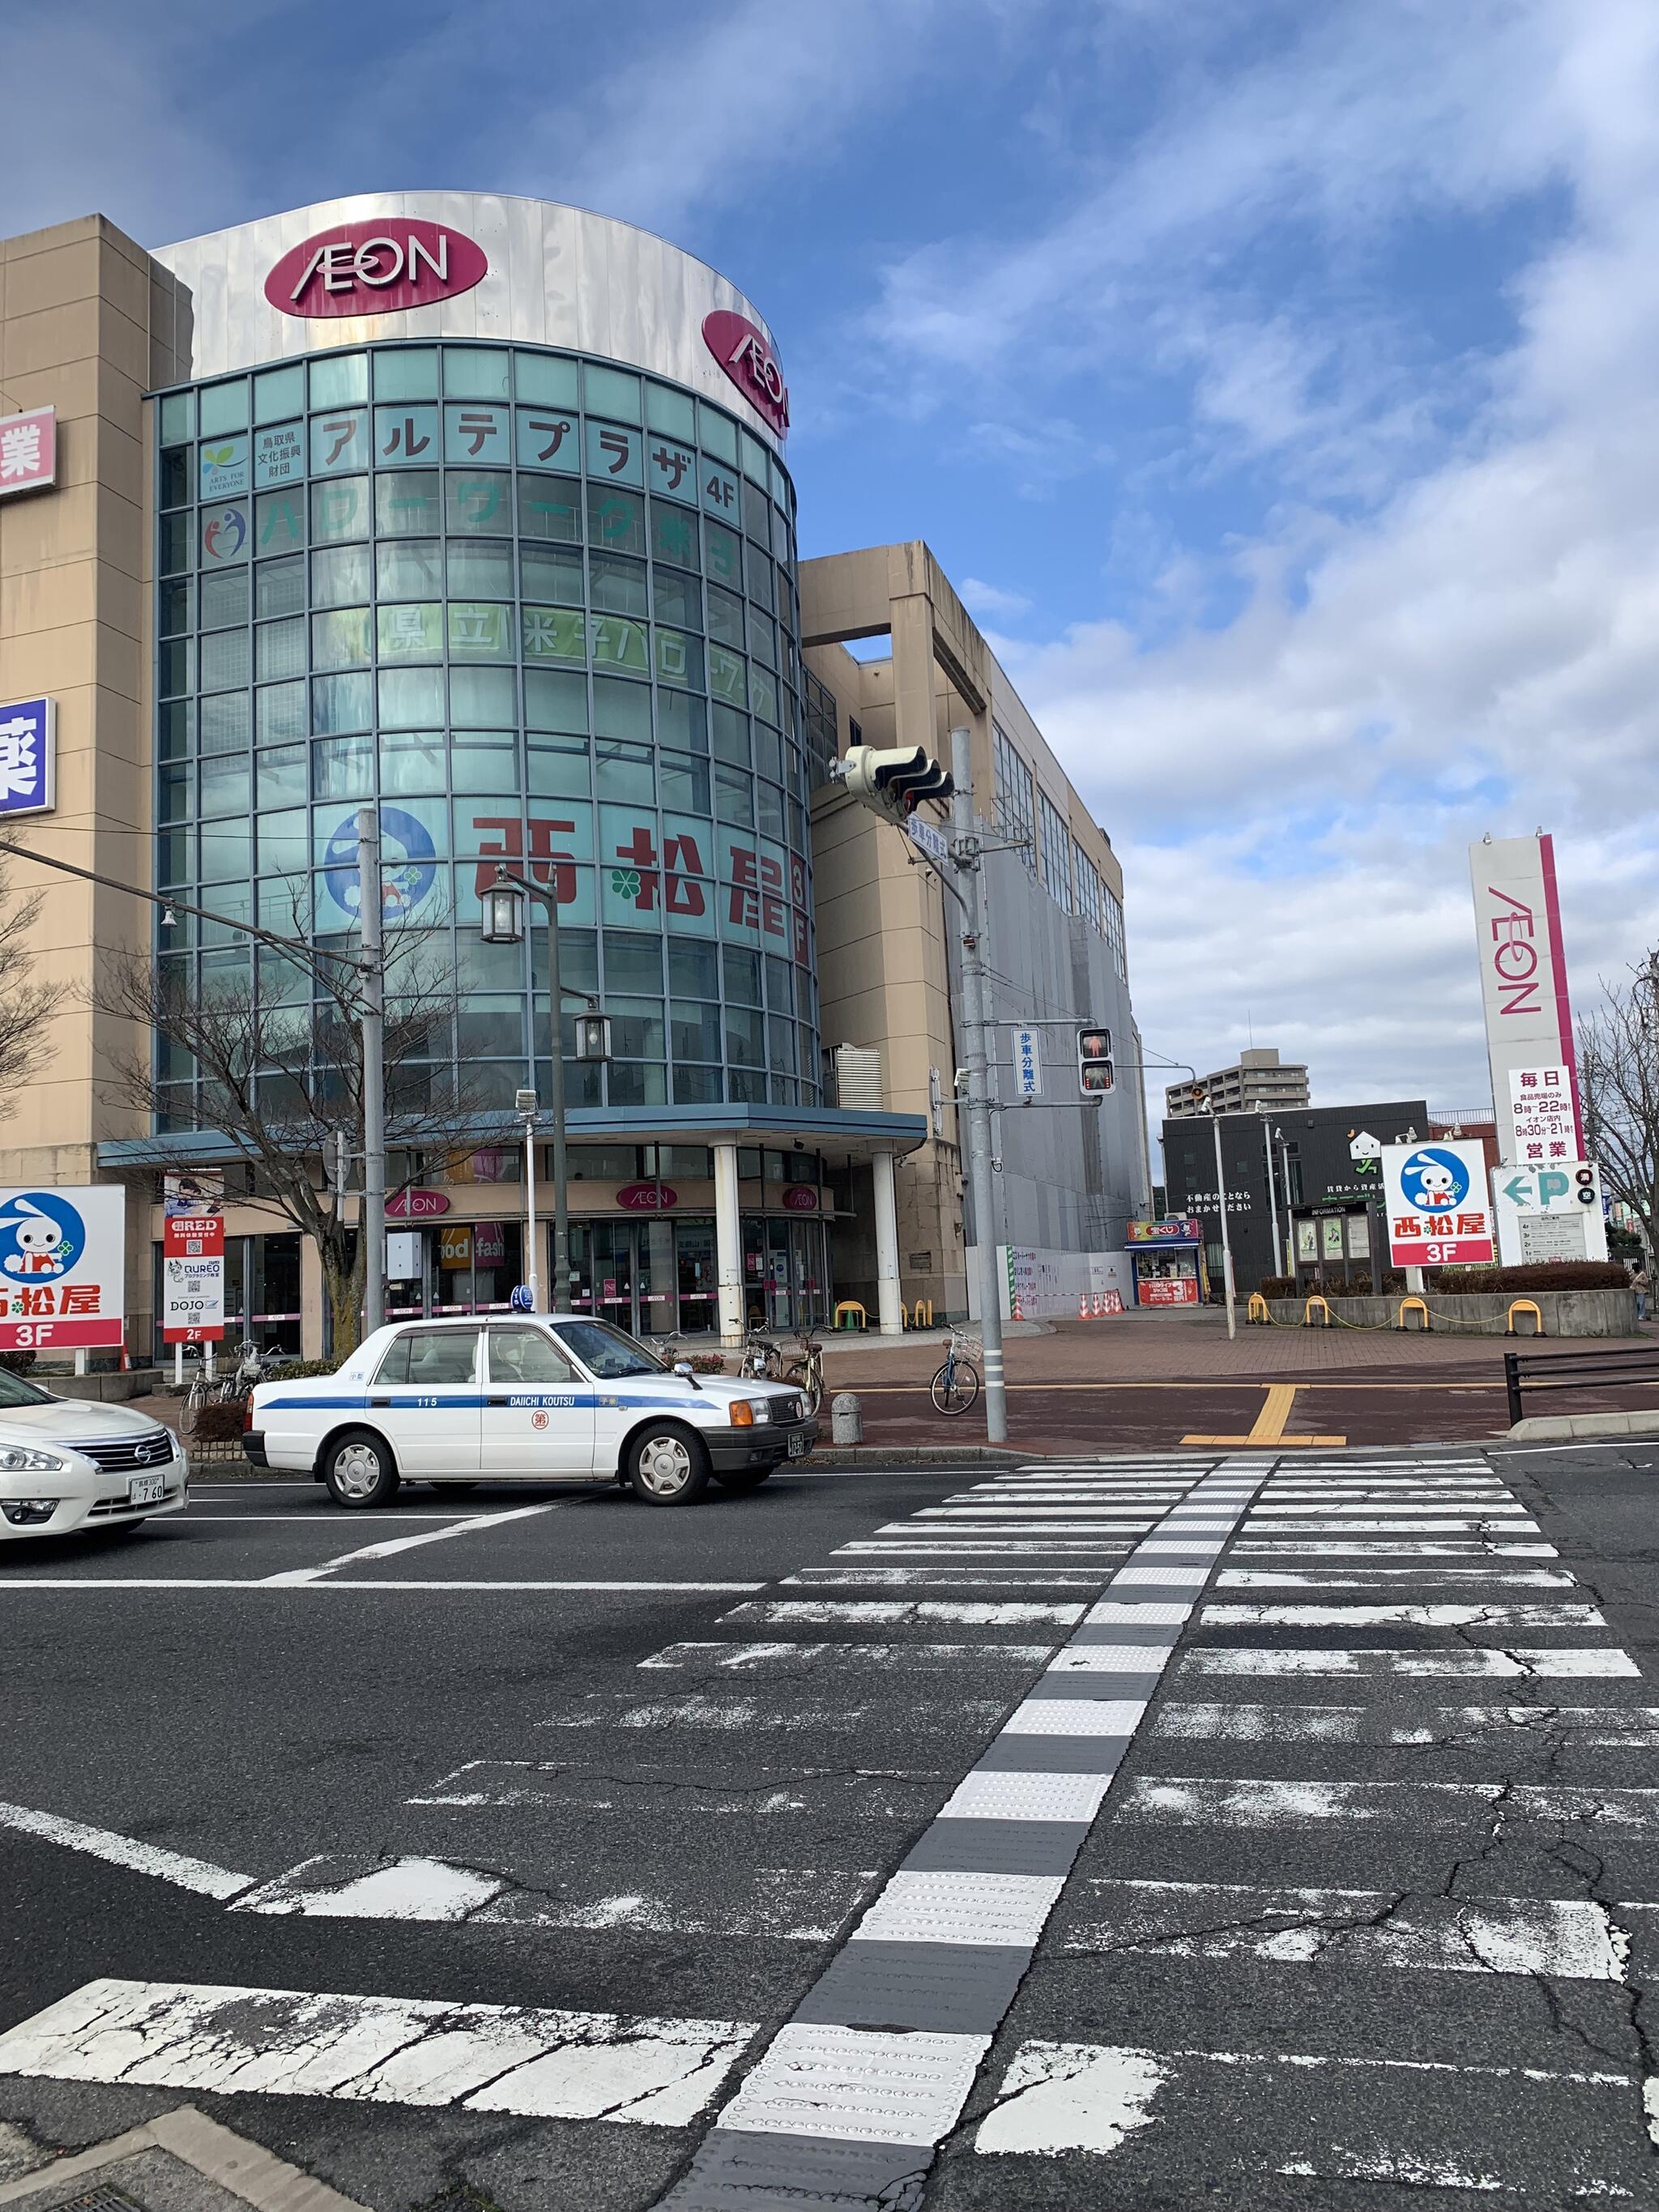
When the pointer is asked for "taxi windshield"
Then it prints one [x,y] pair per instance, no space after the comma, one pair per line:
[608,1352]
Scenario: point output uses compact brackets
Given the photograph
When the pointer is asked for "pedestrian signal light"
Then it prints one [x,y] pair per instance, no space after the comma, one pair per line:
[893,781]
[1094,1060]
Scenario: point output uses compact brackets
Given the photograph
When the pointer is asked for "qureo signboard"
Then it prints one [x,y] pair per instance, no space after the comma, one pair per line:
[1439,1214]
[193,1257]
[62,1268]
[1523,973]
[376,267]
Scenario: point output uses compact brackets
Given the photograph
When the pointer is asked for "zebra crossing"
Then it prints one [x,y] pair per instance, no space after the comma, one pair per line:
[1214,1826]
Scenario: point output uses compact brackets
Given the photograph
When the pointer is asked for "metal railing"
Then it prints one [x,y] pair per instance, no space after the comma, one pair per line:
[1575,1371]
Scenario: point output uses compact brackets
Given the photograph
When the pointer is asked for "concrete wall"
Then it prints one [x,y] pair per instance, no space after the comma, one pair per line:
[1564,1313]
[83,314]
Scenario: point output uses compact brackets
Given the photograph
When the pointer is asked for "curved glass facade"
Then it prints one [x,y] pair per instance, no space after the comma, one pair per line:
[542,609]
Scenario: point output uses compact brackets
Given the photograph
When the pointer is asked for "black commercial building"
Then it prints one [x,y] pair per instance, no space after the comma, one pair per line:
[1297,1200]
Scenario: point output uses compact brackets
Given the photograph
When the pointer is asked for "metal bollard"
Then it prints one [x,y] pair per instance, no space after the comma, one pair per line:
[846,1419]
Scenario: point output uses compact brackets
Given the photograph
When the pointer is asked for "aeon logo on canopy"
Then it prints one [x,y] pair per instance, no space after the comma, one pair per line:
[375,266]
[748,359]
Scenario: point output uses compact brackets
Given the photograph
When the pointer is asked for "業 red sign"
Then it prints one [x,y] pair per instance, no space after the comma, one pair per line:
[746,355]
[375,266]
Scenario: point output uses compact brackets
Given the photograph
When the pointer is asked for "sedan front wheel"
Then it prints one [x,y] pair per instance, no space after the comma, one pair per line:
[667,1466]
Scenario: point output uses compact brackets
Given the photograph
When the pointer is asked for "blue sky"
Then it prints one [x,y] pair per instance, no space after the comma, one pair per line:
[1277,383]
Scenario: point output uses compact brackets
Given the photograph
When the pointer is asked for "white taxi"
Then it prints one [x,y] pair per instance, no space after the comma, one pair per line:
[70,1465]
[525,1398]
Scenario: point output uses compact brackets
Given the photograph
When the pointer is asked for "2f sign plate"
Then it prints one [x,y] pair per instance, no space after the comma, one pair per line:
[1439,1213]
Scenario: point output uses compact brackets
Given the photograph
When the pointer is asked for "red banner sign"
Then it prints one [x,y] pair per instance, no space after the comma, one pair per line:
[746,355]
[415,1205]
[646,1197]
[800,1198]
[376,267]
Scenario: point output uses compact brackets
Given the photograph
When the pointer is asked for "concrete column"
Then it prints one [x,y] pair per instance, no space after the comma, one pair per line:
[728,1244]
[891,1319]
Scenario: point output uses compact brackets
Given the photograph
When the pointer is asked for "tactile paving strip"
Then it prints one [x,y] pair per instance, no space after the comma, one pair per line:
[955,1907]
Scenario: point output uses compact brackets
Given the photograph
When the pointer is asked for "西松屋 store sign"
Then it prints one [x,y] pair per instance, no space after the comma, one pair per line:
[375,267]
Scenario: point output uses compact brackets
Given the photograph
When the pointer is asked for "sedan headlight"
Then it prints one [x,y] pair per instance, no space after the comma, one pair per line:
[18,1459]
[763,1408]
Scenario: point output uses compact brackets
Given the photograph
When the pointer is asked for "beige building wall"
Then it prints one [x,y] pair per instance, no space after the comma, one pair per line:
[81,312]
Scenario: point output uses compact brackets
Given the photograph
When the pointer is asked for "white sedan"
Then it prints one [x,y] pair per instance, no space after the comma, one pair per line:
[71,1465]
[529,1398]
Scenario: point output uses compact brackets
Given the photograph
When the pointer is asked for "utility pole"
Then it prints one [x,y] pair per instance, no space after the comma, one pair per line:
[371,1223]
[967,863]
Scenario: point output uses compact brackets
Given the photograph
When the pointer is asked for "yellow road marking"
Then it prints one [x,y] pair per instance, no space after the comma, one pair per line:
[1269,1425]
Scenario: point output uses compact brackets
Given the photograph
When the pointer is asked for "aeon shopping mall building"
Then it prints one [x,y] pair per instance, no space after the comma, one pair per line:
[474,507]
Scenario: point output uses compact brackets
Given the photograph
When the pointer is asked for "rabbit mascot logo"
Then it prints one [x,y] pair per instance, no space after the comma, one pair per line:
[41,1237]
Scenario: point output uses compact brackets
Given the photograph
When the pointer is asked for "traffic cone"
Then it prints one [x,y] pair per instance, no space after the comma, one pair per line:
[1083,1305]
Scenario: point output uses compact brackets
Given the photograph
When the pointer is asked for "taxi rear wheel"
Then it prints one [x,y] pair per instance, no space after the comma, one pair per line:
[359,1470]
[667,1466]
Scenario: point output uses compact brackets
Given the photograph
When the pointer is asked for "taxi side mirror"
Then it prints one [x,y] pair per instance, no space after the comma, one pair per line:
[685,1367]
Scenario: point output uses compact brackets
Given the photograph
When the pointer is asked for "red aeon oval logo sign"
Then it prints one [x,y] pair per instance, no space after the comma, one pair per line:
[800,1198]
[746,355]
[647,1197]
[375,267]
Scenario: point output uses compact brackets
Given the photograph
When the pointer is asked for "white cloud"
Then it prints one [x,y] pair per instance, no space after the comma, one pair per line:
[991,599]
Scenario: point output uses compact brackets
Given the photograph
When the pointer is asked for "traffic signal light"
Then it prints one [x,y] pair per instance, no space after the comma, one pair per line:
[894,782]
[1094,1060]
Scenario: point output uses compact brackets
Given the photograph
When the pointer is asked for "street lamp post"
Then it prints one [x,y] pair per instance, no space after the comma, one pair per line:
[503,924]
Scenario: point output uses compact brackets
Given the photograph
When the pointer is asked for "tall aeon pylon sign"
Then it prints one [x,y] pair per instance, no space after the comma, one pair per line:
[1523,991]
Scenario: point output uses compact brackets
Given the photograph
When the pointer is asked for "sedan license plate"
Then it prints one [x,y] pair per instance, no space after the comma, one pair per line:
[798,1444]
[146,1489]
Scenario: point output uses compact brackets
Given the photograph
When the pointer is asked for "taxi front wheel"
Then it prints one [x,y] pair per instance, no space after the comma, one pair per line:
[667,1466]
[359,1470]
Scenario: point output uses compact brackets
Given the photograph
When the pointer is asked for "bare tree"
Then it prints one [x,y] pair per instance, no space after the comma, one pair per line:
[26,1004]
[281,1077]
[1618,1070]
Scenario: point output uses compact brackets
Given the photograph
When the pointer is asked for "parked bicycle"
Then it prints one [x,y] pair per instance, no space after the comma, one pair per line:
[761,1358]
[956,1386]
[805,1372]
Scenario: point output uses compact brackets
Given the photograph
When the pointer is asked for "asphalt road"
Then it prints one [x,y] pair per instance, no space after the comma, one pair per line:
[503,1858]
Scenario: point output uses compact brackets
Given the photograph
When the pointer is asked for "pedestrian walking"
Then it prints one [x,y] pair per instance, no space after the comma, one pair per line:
[1638,1282]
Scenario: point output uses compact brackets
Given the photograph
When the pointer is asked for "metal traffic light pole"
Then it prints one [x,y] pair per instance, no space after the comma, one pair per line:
[967,863]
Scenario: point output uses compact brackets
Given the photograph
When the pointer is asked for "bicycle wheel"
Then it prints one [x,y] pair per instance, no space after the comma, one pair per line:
[194,1399]
[954,1387]
[809,1382]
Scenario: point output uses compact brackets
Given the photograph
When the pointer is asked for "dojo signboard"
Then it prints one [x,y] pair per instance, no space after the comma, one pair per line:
[62,1268]
[1439,1213]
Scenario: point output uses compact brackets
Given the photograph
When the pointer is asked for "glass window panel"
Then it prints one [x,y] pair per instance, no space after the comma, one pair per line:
[406,504]
[409,569]
[1015,795]
[756,459]
[175,661]
[615,518]
[281,711]
[682,721]
[624,772]
[555,701]
[684,783]
[719,492]
[780,985]
[490,1028]
[621,709]
[742,976]
[177,536]
[610,392]
[341,639]
[490,768]
[224,598]
[717,433]
[478,502]
[673,534]
[636,1024]
[672,412]
[763,691]
[342,702]
[476,372]
[279,522]
[550,508]
[282,650]
[282,777]
[480,631]
[344,767]
[279,586]
[405,373]
[615,455]
[724,555]
[279,454]
[559,771]
[172,794]
[338,379]
[339,511]
[482,698]
[479,436]
[224,785]
[175,477]
[555,633]
[279,393]
[546,379]
[636,1083]
[225,848]
[340,577]
[678,658]
[734,798]
[224,659]
[731,737]
[178,417]
[412,764]
[406,434]
[552,577]
[769,809]
[744,1032]
[412,633]
[177,729]
[616,643]
[224,534]
[223,407]
[481,571]
[768,753]
[226,722]
[618,587]
[339,441]
[763,639]
[632,962]
[175,856]
[410,698]
[695,1031]
[727,680]
[1056,853]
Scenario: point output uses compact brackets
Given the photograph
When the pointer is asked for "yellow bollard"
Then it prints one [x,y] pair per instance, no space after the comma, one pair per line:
[1414,1305]
[1525,1305]
[1323,1304]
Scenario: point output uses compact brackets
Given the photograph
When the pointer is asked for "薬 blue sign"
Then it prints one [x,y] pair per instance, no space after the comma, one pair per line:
[28,742]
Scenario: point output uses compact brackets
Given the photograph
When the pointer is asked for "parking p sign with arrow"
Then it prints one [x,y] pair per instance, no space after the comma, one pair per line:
[1549,1213]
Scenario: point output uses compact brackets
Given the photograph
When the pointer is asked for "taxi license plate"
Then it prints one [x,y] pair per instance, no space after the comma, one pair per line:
[798,1444]
[146,1489]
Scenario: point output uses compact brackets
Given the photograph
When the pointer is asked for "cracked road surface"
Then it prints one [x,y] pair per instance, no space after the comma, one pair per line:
[1200,1827]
